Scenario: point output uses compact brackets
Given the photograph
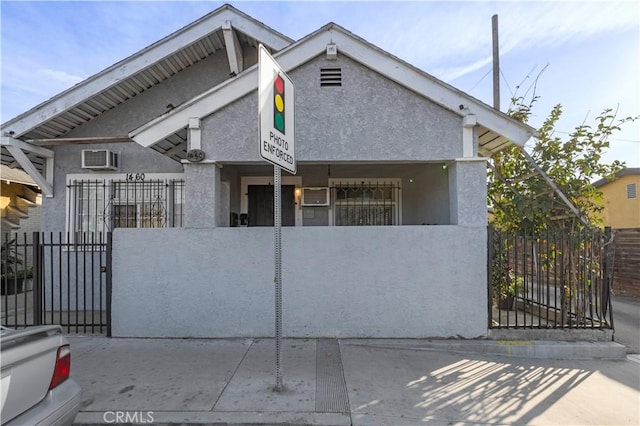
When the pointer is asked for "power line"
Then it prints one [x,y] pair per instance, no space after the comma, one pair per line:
[507,83]
[480,81]
[611,139]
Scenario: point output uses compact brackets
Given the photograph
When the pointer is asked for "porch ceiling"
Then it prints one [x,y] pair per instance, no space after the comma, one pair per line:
[174,146]
[490,142]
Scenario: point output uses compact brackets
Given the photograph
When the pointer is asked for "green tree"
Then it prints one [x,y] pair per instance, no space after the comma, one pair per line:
[523,199]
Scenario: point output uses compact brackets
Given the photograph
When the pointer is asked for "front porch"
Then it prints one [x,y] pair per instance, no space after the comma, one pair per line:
[350,194]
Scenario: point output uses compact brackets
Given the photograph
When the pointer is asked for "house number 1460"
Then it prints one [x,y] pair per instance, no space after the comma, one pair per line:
[135,176]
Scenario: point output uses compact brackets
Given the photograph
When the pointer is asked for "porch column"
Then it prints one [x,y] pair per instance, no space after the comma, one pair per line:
[468,191]
[206,196]
[202,195]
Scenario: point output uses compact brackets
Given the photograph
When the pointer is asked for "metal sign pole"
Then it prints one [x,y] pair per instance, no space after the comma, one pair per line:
[277,216]
[276,116]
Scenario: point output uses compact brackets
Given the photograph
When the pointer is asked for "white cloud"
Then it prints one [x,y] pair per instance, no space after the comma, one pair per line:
[62,77]
[455,37]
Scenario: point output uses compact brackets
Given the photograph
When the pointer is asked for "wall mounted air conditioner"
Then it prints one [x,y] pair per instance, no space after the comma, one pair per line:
[99,159]
[315,197]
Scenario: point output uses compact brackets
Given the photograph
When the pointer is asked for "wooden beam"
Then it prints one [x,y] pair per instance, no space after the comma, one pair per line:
[504,180]
[9,141]
[175,149]
[552,184]
[27,165]
[70,141]
[234,49]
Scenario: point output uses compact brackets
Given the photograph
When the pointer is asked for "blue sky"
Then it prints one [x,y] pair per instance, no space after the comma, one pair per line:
[591,50]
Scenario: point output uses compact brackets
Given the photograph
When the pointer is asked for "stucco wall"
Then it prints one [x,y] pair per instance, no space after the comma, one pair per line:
[468,192]
[133,159]
[337,281]
[620,211]
[368,118]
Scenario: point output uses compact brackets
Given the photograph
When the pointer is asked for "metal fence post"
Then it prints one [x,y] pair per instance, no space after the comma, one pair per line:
[609,252]
[37,280]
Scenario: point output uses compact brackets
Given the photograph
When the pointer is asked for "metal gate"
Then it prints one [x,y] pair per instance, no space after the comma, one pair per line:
[552,279]
[57,278]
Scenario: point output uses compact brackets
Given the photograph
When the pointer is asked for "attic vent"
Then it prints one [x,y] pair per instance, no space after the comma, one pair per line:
[330,77]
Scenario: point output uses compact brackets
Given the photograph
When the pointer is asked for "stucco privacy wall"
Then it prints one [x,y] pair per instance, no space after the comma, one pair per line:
[386,123]
[359,282]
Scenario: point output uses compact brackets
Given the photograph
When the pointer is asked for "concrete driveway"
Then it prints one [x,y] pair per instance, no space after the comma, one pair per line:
[626,318]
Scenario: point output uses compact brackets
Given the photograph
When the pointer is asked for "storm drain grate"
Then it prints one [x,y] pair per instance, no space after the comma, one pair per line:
[331,390]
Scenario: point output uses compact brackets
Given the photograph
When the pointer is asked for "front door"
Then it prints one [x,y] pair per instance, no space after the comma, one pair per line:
[261,205]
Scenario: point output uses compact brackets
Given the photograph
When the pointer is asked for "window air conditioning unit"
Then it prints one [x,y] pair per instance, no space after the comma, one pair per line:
[99,159]
[315,197]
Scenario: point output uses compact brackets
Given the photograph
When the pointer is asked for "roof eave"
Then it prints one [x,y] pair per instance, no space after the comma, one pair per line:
[139,61]
[361,51]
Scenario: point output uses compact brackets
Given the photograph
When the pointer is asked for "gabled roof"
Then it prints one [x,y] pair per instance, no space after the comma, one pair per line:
[496,128]
[25,137]
[139,72]
[628,171]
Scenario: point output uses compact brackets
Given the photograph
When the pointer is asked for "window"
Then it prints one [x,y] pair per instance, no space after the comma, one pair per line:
[365,202]
[632,190]
[101,205]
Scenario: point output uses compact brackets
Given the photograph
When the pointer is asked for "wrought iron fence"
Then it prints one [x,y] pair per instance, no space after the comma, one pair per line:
[67,281]
[550,280]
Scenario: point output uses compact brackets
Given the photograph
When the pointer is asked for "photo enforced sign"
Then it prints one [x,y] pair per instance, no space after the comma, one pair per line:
[276,113]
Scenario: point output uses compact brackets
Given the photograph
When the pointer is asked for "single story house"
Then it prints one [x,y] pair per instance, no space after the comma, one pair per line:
[20,202]
[384,223]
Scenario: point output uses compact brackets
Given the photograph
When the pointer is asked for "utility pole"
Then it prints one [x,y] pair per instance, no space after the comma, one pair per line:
[496,63]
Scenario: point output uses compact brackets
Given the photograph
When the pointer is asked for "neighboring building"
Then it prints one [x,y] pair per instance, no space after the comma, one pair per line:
[20,202]
[622,213]
[385,221]
[621,199]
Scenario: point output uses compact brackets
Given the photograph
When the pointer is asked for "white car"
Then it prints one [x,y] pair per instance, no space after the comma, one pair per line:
[36,388]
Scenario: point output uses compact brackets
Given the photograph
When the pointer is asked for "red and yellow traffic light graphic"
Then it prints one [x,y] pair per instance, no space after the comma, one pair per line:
[278,104]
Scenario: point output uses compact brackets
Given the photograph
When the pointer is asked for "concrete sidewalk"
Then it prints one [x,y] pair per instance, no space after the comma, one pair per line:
[359,382]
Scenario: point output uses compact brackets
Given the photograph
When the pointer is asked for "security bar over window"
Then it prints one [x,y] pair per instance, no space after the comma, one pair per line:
[102,205]
[365,203]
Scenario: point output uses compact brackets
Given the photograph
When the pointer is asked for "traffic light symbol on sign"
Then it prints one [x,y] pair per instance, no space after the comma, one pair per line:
[278,104]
